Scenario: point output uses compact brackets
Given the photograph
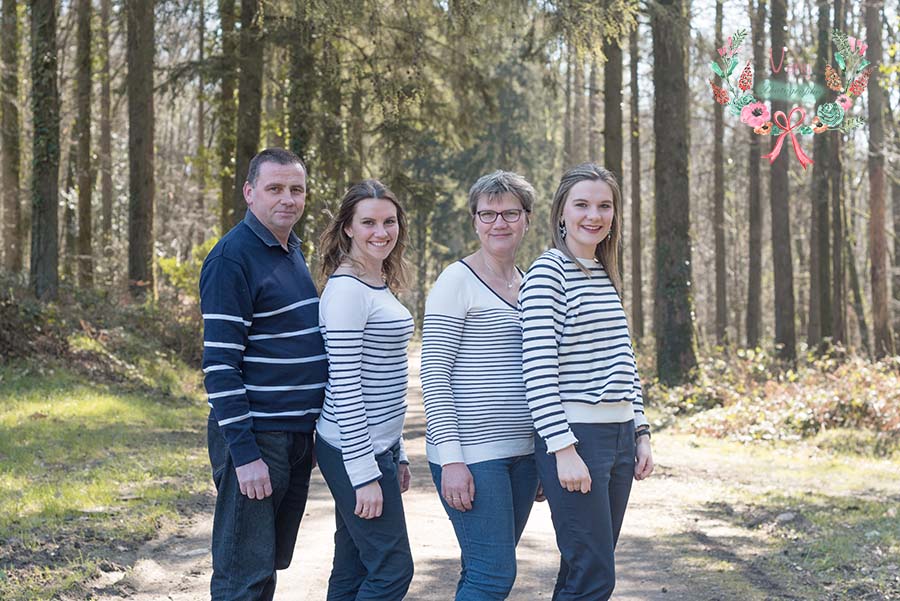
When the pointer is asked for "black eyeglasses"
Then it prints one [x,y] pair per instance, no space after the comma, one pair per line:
[509,215]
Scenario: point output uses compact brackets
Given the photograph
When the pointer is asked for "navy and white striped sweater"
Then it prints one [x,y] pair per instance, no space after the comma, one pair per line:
[472,372]
[263,354]
[366,332]
[578,361]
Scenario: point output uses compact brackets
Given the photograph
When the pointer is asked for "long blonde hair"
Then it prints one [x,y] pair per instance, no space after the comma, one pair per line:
[607,250]
[335,243]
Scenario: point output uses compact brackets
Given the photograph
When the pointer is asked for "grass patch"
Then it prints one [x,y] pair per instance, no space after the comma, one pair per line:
[90,468]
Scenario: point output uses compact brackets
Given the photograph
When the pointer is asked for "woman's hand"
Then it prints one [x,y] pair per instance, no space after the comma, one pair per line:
[369,501]
[572,471]
[539,496]
[404,477]
[457,486]
[643,465]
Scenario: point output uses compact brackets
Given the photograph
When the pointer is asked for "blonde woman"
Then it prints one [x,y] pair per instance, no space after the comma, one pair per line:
[582,384]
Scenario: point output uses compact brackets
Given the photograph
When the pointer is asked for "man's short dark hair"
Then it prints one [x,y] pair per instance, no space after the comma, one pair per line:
[272,155]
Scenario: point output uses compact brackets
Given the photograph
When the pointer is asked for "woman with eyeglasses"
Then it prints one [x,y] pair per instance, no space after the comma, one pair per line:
[592,438]
[480,437]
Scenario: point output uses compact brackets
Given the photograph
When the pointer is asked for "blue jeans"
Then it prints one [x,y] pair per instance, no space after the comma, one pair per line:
[254,537]
[488,533]
[372,560]
[587,525]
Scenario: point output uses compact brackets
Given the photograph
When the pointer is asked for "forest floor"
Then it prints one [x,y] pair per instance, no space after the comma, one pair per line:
[717,521]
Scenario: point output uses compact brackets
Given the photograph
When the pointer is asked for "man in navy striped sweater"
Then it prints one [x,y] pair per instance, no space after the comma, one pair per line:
[266,371]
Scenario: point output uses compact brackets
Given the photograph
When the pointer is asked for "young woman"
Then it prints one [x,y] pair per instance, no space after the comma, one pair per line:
[582,384]
[480,439]
[359,444]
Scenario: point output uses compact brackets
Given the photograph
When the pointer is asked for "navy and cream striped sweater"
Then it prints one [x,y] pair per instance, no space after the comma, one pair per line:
[578,362]
[472,373]
[263,355]
[366,332]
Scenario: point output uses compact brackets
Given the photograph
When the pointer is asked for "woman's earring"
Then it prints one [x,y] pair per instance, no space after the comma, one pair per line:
[562,229]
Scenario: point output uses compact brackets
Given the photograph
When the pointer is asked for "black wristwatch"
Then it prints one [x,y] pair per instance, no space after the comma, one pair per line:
[642,432]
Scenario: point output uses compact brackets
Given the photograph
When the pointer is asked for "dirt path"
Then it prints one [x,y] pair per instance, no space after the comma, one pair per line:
[676,545]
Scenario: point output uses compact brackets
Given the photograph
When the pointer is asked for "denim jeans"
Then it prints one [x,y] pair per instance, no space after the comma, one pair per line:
[254,537]
[372,560]
[488,533]
[587,525]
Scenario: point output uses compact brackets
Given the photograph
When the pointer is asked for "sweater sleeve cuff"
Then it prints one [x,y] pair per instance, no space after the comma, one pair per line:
[640,420]
[561,441]
[450,452]
[244,452]
[362,471]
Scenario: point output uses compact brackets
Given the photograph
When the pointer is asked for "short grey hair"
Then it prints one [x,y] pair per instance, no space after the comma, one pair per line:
[494,185]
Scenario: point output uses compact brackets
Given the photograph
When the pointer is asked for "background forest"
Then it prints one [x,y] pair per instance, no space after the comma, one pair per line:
[763,299]
[129,126]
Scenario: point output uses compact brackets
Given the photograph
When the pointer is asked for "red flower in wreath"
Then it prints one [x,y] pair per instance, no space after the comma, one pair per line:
[719,94]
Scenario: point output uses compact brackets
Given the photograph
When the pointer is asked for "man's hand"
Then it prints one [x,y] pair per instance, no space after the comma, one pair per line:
[643,465]
[572,471]
[539,496]
[369,501]
[458,486]
[404,477]
[254,480]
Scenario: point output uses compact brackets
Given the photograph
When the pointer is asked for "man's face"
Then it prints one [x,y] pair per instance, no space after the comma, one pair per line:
[278,198]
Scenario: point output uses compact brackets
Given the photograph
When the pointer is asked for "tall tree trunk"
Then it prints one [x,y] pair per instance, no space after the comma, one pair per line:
[820,318]
[249,99]
[200,166]
[673,306]
[9,139]
[895,201]
[141,123]
[70,225]
[84,246]
[881,315]
[838,259]
[302,90]
[579,142]
[593,113]
[719,199]
[228,217]
[45,151]
[755,215]
[568,132]
[106,183]
[613,146]
[858,304]
[637,296]
[785,334]
[331,142]
[355,133]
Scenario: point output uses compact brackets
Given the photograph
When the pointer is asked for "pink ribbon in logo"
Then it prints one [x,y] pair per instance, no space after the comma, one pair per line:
[784,122]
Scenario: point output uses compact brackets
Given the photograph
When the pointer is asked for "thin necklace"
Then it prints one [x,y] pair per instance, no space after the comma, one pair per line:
[509,283]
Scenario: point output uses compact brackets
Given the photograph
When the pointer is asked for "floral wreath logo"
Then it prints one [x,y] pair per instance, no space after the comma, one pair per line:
[830,116]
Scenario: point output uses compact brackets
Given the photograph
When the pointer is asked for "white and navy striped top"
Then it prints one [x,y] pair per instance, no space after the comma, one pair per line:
[366,332]
[263,355]
[475,403]
[578,362]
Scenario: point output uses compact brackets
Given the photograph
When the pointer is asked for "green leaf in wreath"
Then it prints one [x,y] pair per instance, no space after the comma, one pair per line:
[717,69]
[738,38]
[863,64]
[731,66]
[840,40]
[806,130]
[839,57]
[852,123]
[776,130]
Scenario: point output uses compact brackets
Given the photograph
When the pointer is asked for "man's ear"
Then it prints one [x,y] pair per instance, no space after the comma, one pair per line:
[247,189]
